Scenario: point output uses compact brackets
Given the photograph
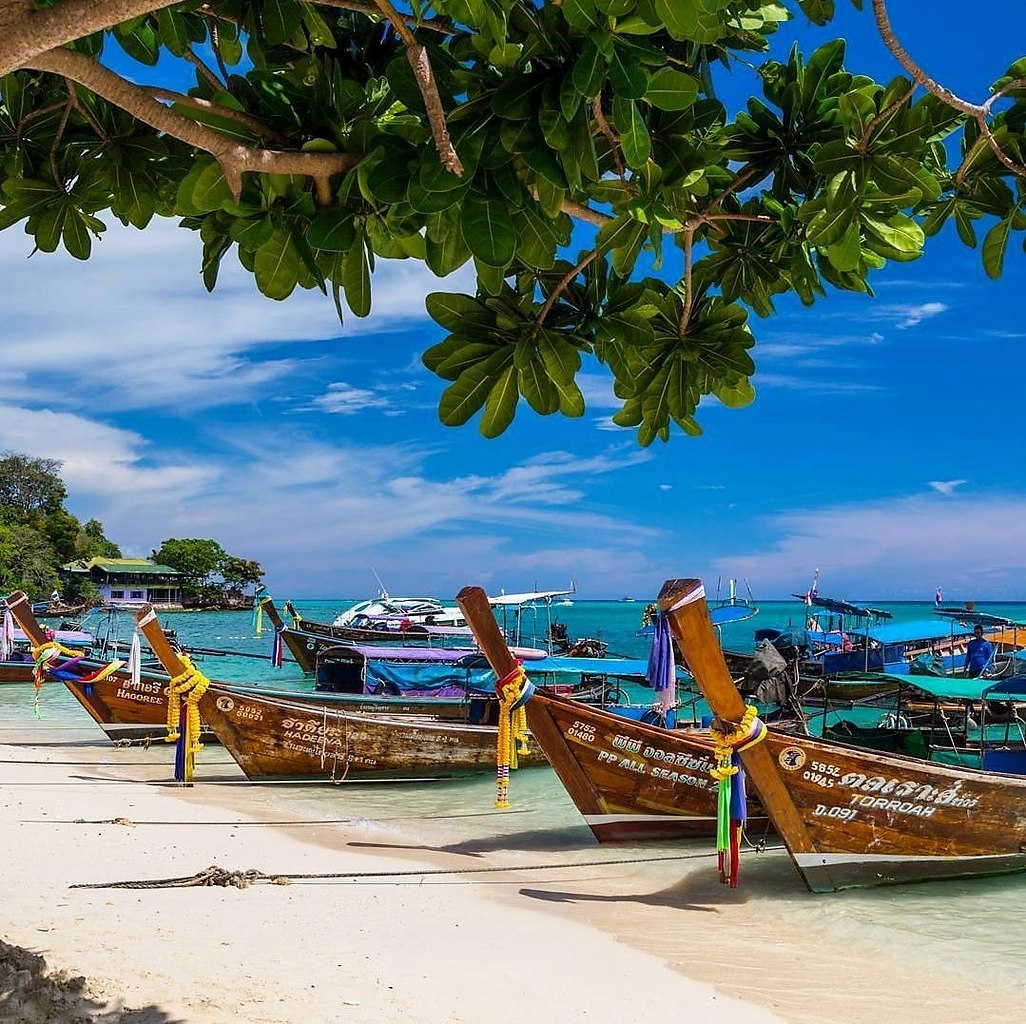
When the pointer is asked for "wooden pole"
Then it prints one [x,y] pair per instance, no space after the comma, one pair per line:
[305,658]
[21,609]
[683,601]
[473,602]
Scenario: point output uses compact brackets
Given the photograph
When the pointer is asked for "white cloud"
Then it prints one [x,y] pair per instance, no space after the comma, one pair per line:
[905,315]
[323,513]
[101,462]
[346,400]
[946,486]
[135,323]
[666,487]
[823,384]
[896,547]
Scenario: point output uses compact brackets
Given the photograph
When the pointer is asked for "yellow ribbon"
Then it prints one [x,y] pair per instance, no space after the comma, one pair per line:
[188,687]
[512,738]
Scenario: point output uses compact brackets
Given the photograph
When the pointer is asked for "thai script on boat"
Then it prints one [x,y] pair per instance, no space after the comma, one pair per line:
[679,759]
[903,789]
[333,756]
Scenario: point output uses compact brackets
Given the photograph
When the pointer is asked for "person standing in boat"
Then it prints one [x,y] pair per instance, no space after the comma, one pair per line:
[978,653]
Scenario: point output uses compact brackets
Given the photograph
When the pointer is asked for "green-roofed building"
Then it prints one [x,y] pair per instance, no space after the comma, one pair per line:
[129,580]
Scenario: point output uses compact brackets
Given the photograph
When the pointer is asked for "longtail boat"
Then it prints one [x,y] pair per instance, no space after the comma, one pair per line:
[317,739]
[849,817]
[630,781]
[128,710]
[853,817]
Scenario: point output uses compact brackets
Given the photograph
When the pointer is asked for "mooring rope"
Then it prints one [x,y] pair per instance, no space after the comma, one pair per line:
[215,875]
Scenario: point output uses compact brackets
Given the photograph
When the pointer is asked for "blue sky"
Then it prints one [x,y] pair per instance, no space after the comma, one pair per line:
[883,446]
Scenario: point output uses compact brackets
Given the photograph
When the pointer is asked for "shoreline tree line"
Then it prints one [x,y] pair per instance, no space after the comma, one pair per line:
[39,535]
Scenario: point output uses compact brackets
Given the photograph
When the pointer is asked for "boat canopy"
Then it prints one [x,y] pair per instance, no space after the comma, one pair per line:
[844,608]
[917,629]
[505,600]
[969,615]
[968,688]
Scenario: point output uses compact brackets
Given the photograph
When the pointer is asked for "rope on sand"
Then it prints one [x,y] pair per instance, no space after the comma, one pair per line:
[215,875]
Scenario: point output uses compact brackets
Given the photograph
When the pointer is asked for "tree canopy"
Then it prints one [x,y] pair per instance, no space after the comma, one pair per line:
[574,151]
[210,574]
[37,533]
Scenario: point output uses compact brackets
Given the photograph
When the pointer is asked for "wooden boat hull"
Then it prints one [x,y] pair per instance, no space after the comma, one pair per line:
[631,781]
[272,738]
[123,710]
[127,712]
[874,818]
[15,672]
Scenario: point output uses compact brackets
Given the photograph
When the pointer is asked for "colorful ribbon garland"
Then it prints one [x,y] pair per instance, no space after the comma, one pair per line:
[183,717]
[514,690]
[731,807]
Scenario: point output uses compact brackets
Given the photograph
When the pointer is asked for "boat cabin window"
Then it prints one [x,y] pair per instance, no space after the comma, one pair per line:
[117,593]
[136,593]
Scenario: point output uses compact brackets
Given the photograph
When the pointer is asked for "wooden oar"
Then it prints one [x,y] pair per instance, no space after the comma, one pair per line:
[683,601]
[306,659]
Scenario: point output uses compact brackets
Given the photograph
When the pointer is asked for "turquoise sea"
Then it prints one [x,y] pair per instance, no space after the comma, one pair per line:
[966,930]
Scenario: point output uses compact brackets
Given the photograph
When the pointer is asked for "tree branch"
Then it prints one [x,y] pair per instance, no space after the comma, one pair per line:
[258,128]
[562,286]
[442,25]
[585,213]
[206,74]
[875,122]
[883,23]
[689,244]
[425,76]
[234,157]
[26,32]
[607,130]
[977,111]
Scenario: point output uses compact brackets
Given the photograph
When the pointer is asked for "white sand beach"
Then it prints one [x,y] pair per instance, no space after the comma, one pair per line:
[574,943]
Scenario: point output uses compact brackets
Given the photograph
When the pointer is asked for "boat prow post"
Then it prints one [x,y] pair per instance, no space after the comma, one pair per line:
[683,602]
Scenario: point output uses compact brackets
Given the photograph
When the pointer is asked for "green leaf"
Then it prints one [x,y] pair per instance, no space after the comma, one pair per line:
[389,179]
[76,235]
[488,231]
[282,19]
[276,266]
[210,189]
[669,89]
[898,232]
[537,388]
[634,138]
[452,310]
[995,246]
[332,230]
[846,254]
[819,12]
[446,249]
[628,78]
[501,404]
[588,72]
[356,279]
[469,391]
